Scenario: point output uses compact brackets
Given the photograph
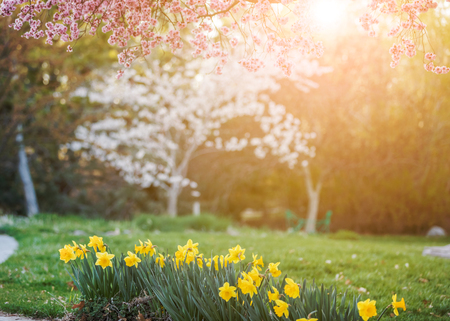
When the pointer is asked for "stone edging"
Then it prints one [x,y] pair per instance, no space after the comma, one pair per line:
[8,245]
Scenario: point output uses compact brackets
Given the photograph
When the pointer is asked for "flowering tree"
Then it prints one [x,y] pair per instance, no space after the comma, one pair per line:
[166,117]
[279,28]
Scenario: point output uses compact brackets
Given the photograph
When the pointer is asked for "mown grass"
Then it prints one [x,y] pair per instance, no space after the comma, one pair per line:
[33,279]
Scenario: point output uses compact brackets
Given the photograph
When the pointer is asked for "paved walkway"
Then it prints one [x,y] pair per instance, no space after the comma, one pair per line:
[8,245]
[5,317]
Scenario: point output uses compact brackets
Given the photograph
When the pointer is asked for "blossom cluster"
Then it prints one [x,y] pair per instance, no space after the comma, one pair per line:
[250,279]
[210,26]
[409,29]
[156,120]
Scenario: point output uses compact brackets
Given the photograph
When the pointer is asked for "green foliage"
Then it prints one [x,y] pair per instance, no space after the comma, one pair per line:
[94,282]
[192,293]
[105,310]
[344,235]
[165,223]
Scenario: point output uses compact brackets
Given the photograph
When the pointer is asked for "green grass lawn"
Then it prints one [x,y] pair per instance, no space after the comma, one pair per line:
[34,280]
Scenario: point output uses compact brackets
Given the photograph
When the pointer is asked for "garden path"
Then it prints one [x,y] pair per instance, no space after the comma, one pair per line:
[13,317]
[8,245]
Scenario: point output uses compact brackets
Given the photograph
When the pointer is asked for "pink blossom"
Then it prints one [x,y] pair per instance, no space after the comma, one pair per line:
[430,56]
[119,74]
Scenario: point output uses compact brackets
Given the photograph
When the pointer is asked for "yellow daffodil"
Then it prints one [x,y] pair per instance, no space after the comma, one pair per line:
[367,309]
[179,262]
[236,254]
[225,260]
[66,254]
[291,288]
[398,305]
[191,247]
[273,269]
[281,308]
[247,287]
[160,260]
[181,253]
[275,295]
[258,263]
[132,259]
[80,250]
[254,274]
[215,259]
[227,291]
[97,243]
[200,260]
[139,248]
[247,277]
[104,259]
[190,257]
[148,248]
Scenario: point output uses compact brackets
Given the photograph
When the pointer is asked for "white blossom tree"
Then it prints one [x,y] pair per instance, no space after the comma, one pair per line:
[156,119]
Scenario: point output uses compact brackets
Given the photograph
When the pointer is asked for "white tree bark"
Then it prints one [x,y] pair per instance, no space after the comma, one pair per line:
[174,190]
[313,200]
[24,171]
[196,208]
[172,200]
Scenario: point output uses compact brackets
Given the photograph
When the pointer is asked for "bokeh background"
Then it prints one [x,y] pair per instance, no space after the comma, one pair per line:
[383,140]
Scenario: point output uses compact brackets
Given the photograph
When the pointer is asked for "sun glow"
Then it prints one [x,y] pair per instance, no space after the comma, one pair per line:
[328,14]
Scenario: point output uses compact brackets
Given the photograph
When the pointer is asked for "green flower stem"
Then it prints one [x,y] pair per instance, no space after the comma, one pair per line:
[384,311]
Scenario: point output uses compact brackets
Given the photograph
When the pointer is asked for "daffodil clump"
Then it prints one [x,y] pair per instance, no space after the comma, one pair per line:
[367,309]
[190,286]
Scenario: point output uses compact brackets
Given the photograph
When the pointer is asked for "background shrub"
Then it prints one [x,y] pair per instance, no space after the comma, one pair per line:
[164,223]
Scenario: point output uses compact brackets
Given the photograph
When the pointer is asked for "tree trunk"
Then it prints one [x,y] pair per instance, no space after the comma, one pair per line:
[24,171]
[313,200]
[196,208]
[172,201]
[313,210]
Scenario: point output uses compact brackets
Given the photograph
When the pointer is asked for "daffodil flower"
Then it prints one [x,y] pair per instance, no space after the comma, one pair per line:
[258,263]
[367,309]
[139,248]
[80,250]
[273,296]
[254,274]
[132,259]
[236,254]
[97,243]
[149,248]
[190,257]
[104,259]
[66,254]
[191,247]
[200,260]
[247,286]
[281,308]
[160,260]
[181,253]
[291,288]
[398,305]
[273,269]
[227,292]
